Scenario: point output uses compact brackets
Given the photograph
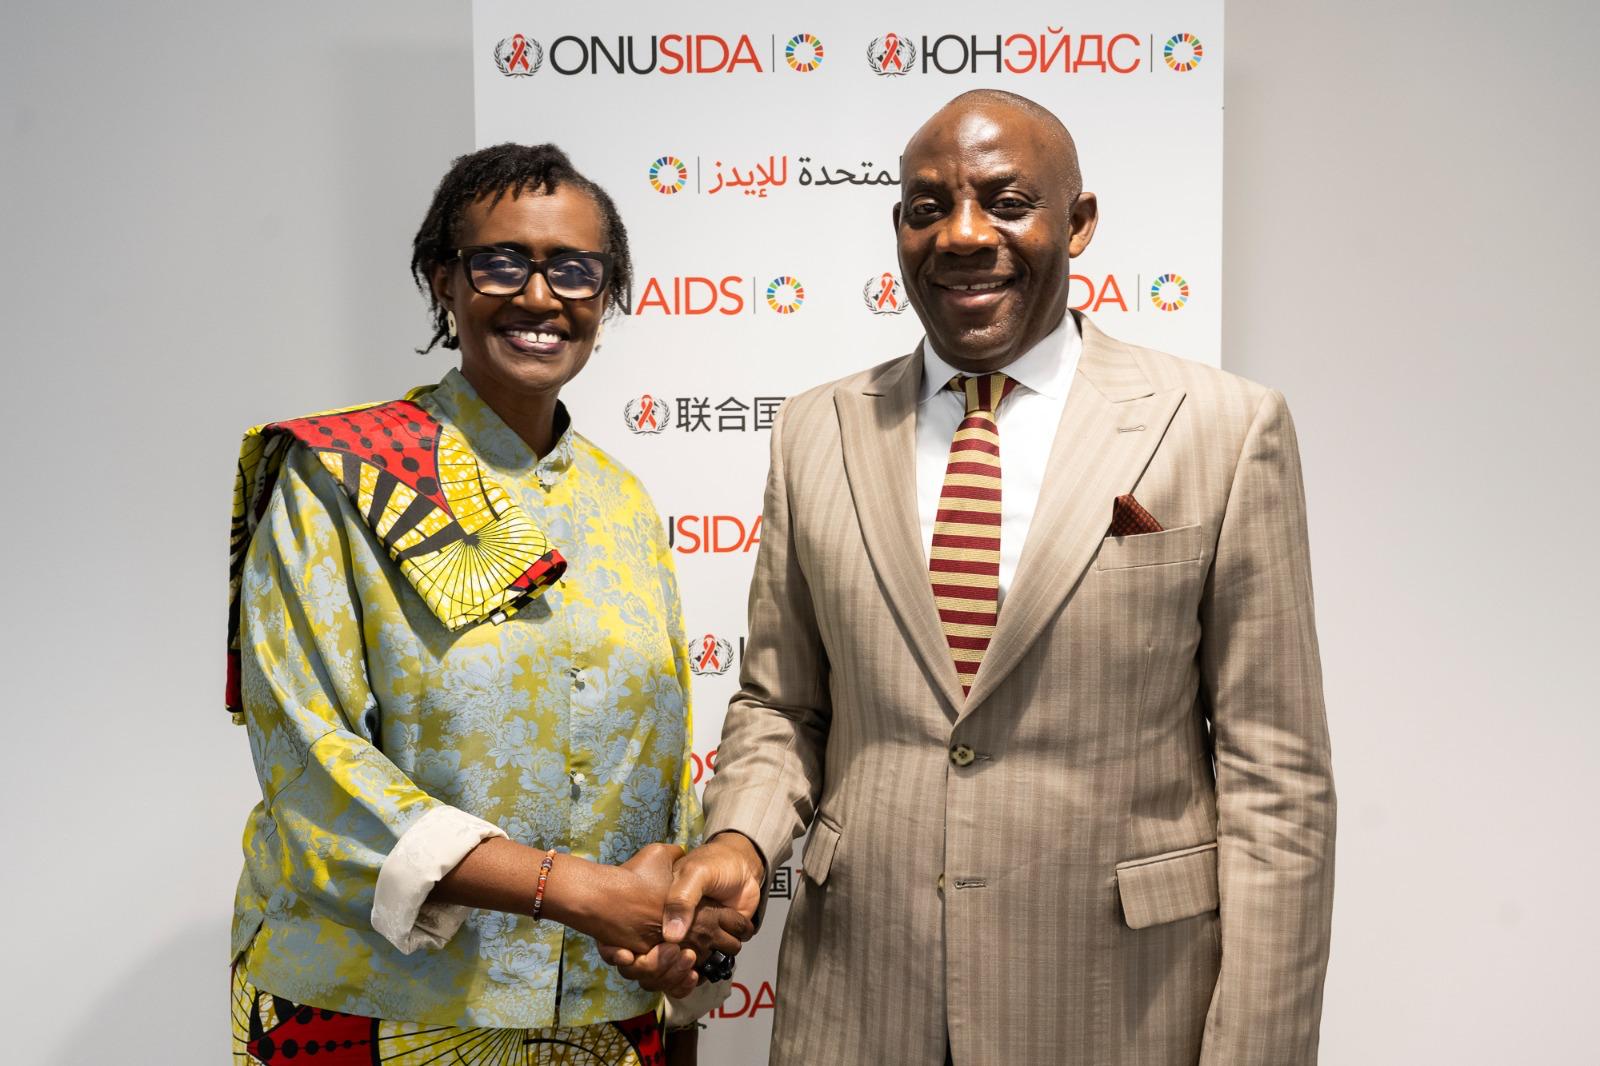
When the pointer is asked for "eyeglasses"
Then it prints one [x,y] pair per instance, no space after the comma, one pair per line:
[502,272]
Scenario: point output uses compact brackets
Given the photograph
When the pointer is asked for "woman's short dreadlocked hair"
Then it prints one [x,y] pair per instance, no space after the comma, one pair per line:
[495,172]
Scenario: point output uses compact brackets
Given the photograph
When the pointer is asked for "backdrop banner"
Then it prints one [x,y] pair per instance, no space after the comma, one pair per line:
[754,156]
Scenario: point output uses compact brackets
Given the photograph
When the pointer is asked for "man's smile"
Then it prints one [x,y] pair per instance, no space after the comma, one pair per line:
[972,293]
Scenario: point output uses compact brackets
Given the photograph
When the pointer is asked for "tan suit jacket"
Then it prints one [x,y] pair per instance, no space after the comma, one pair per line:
[1135,866]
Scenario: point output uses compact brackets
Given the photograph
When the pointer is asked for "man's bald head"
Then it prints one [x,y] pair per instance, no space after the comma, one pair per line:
[1040,120]
[992,211]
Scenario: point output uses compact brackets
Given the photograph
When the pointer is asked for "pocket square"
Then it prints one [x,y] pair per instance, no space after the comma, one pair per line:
[1129,519]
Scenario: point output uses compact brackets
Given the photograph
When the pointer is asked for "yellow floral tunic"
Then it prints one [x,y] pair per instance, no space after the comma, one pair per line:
[566,725]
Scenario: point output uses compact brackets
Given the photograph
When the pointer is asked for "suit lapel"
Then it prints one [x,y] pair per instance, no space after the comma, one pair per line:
[878,430]
[1111,426]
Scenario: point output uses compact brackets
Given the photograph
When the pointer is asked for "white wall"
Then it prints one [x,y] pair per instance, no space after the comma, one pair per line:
[206,216]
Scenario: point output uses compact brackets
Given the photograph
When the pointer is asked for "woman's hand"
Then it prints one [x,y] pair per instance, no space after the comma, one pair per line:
[626,911]
[664,968]
[669,968]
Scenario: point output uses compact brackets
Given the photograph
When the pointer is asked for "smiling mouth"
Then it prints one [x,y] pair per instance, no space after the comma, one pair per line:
[977,297]
[535,336]
[974,286]
[534,340]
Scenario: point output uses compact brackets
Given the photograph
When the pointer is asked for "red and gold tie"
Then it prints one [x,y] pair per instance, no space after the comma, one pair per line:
[965,561]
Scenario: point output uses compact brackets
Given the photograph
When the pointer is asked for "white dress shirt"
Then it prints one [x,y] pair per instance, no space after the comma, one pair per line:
[1027,421]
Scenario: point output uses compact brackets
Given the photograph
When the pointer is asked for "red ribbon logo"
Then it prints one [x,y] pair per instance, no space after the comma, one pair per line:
[647,412]
[891,52]
[708,653]
[886,293]
[519,54]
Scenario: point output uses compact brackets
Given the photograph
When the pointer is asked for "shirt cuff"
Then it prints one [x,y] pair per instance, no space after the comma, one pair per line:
[706,997]
[427,851]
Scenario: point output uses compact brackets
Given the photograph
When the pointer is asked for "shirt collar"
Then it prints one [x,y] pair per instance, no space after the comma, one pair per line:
[1046,368]
[497,443]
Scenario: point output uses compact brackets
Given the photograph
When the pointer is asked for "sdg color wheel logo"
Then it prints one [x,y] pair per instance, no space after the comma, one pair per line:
[803,53]
[518,56]
[668,175]
[1182,52]
[785,295]
[1169,292]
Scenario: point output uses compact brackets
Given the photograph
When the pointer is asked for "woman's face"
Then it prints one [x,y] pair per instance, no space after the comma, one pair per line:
[518,347]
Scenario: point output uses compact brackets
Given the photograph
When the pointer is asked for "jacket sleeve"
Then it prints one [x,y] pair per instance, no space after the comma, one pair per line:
[770,760]
[1262,682]
[357,838]
[688,821]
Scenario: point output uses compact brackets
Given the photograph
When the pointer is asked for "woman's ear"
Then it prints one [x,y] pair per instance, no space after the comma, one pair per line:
[439,282]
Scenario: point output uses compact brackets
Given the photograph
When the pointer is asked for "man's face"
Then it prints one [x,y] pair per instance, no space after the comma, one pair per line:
[987,229]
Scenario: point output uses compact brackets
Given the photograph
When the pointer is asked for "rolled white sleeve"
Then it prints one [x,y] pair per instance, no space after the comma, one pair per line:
[705,998]
[424,853]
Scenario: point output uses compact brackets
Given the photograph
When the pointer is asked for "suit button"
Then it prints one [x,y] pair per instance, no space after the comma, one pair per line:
[962,755]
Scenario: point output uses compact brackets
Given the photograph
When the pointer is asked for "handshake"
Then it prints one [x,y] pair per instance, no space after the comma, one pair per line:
[675,919]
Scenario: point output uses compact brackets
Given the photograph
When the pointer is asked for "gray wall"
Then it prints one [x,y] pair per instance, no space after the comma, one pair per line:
[207,210]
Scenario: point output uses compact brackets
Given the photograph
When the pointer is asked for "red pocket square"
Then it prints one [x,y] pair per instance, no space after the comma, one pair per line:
[1129,519]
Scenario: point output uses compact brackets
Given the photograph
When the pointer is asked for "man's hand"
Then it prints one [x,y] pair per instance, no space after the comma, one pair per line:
[714,892]
[669,968]
[726,870]
[719,919]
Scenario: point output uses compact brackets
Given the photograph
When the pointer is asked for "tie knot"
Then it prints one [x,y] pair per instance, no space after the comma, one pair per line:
[983,392]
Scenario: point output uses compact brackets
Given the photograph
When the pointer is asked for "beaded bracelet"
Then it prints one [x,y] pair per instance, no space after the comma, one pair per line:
[544,875]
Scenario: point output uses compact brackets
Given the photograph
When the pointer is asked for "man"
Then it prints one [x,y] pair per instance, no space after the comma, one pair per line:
[1032,657]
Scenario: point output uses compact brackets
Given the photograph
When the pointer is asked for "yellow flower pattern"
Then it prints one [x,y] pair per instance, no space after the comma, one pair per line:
[566,725]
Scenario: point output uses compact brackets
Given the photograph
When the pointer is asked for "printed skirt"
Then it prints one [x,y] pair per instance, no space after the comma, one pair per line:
[269,1030]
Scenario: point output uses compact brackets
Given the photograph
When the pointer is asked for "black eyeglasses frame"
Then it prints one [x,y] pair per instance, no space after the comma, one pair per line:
[535,266]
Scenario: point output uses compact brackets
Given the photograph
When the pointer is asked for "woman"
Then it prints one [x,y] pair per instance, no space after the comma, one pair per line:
[460,656]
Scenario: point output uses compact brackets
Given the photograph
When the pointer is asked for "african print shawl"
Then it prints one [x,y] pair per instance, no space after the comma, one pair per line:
[469,551]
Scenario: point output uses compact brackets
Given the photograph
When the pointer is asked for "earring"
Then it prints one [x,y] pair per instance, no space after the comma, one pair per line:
[450,323]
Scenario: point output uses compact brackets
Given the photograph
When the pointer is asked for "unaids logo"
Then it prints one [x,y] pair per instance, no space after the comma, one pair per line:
[1169,292]
[648,415]
[803,53]
[884,295]
[710,655]
[668,175]
[785,294]
[891,55]
[518,56]
[1182,52]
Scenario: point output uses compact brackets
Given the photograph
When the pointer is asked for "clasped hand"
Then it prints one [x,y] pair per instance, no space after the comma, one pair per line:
[680,909]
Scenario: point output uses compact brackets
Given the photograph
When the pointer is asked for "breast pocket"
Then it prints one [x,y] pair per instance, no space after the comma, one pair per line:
[1181,545]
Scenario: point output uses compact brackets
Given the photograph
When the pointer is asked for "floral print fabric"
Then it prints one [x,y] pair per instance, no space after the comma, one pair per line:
[566,725]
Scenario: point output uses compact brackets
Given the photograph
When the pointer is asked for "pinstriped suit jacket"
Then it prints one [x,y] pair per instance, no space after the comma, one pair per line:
[1137,865]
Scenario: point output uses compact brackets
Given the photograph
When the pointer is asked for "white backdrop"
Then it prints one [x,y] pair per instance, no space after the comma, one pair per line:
[1408,218]
[755,159]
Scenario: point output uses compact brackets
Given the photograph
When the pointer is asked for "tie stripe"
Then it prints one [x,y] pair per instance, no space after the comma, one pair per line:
[964,564]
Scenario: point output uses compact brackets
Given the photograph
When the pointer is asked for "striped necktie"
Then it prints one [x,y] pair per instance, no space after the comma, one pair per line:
[965,561]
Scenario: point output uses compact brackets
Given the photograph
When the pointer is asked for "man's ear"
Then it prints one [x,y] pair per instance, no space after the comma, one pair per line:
[897,216]
[1085,216]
